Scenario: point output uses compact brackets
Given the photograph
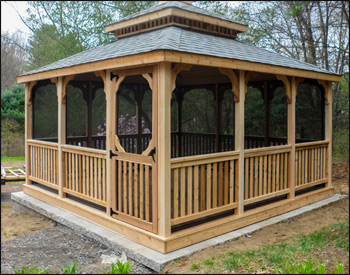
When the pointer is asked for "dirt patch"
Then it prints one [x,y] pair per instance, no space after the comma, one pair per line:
[13,163]
[13,225]
[53,248]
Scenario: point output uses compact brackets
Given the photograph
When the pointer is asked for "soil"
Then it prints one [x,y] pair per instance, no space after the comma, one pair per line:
[50,246]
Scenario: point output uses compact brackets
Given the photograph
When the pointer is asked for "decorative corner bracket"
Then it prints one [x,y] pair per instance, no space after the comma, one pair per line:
[176,70]
[287,83]
[248,77]
[101,74]
[234,81]
[64,87]
[29,92]
[327,92]
[149,79]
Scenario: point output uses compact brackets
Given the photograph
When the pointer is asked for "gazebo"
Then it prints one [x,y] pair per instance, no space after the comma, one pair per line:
[152,135]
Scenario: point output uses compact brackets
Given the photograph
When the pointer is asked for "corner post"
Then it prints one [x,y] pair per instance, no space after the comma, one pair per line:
[110,90]
[328,134]
[239,139]
[291,136]
[164,168]
[61,133]
[28,127]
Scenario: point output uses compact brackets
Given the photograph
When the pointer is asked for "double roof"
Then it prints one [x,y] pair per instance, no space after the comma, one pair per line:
[175,38]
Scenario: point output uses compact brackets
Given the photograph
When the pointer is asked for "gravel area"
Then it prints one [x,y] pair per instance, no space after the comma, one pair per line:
[56,246]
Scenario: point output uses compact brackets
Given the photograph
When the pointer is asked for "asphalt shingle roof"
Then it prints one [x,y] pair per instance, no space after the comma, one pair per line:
[179,5]
[182,40]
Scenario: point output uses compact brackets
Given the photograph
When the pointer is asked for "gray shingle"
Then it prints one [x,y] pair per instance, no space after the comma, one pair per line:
[179,5]
[182,40]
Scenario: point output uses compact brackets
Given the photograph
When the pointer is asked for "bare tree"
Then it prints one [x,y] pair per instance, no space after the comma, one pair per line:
[13,53]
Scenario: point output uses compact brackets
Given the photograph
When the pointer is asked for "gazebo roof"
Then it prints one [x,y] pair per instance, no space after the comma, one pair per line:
[182,40]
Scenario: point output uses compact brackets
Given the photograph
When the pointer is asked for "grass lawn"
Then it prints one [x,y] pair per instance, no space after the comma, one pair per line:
[328,246]
[12,159]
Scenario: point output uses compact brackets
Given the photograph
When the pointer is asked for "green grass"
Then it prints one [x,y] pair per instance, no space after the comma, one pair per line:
[13,159]
[276,257]
[195,267]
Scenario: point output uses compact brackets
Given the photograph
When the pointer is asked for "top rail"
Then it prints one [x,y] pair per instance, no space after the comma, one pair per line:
[84,150]
[267,150]
[310,144]
[202,159]
[42,143]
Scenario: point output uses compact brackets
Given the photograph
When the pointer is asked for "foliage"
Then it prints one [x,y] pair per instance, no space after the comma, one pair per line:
[13,53]
[47,46]
[119,268]
[33,270]
[307,268]
[12,138]
[12,105]
[70,270]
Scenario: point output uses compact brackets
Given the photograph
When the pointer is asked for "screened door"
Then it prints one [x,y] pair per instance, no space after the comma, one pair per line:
[135,191]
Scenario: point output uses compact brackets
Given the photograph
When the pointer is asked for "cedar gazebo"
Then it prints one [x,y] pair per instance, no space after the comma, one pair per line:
[146,135]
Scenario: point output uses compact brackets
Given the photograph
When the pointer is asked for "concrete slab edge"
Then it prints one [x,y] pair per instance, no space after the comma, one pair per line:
[140,253]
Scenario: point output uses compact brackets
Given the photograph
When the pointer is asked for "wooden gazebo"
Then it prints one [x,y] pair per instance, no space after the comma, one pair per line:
[169,186]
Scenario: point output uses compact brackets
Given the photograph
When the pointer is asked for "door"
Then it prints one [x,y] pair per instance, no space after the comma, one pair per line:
[135,192]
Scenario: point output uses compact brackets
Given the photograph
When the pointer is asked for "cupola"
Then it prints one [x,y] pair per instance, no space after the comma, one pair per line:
[176,13]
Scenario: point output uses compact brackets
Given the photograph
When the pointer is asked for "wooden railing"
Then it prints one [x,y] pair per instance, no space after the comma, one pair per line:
[134,190]
[43,163]
[310,164]
[191,144]
[84,173]
[202,186]
[265,173]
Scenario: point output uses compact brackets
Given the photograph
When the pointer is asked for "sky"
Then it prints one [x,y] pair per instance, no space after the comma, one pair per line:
[10,21]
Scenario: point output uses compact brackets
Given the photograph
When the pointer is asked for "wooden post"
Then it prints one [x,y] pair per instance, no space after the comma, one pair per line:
[28,125]
[61,133]
[110,90]
[163,150]
[328,134]
[291,135]
[239,139]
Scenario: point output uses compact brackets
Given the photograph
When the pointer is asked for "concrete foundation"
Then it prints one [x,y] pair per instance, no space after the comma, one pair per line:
[140,253]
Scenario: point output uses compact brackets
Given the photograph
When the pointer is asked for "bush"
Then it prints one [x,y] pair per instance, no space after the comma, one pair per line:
[12,138]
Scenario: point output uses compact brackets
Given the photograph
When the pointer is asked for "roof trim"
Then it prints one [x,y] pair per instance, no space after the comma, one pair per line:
[150,58]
